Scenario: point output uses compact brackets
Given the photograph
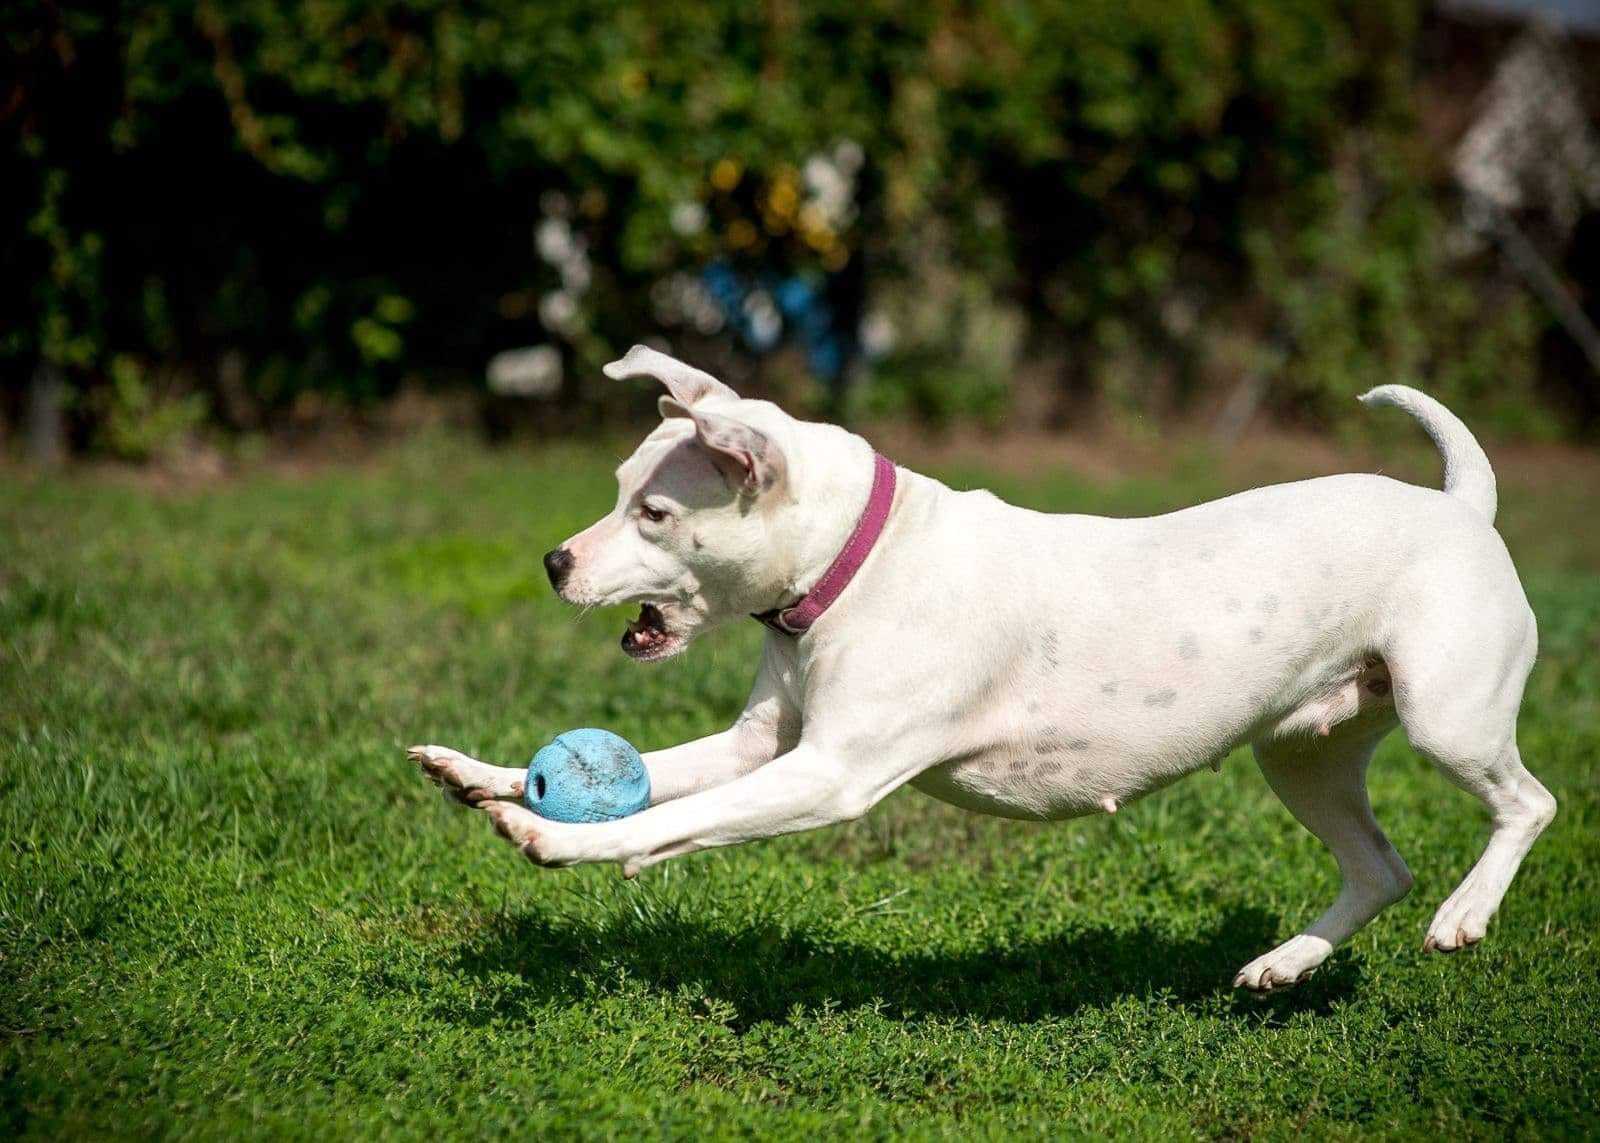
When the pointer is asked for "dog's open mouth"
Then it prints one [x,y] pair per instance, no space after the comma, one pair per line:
[648,637]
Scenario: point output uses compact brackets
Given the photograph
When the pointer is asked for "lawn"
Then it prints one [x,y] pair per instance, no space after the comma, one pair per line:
[228,906]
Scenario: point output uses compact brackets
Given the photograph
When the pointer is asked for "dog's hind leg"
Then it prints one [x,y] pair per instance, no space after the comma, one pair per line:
[1520,808]
[1458,686]
[1323,781]
[466,779]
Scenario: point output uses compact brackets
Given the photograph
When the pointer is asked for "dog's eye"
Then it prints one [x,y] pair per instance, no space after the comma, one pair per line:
[654,515]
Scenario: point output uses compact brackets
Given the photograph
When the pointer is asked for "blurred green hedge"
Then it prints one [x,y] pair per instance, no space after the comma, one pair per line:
[235,208]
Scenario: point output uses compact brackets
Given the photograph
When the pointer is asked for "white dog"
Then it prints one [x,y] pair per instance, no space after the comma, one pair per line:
[1038,666]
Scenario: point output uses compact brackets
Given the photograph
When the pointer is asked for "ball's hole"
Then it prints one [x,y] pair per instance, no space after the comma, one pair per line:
[538,786]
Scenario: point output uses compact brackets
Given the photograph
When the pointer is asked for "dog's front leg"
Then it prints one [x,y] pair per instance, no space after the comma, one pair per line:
[763,731]
[800,790]
[768,726]
[701,764]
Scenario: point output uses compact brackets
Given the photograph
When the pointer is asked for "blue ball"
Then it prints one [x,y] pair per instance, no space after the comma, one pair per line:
[587,776]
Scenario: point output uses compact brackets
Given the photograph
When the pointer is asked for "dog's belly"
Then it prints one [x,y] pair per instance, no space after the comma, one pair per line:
[1019,761]
[1035,785]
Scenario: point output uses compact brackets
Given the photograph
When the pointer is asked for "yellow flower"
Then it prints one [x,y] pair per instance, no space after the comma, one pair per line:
[725,175]
[783,198]
[820,240]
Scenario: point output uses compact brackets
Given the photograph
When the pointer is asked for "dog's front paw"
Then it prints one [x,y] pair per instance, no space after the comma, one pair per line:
[540,841]
[464,779]
[1285,966]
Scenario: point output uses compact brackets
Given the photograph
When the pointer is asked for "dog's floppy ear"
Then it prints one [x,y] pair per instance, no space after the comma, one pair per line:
[749,459]
[686,383]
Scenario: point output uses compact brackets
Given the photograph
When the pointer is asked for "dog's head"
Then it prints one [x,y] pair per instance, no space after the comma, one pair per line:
[697,532]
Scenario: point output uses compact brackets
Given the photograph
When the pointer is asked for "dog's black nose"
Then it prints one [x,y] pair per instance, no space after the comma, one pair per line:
[559,564]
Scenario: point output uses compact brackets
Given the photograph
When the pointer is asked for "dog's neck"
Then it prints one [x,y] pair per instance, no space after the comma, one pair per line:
[830,494]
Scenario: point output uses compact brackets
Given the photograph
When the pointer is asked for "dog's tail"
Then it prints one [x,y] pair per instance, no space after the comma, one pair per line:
[1467,475]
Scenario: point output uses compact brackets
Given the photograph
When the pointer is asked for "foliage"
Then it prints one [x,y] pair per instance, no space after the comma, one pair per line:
[345,193]
[1373,292]
[139,421]
[229,907]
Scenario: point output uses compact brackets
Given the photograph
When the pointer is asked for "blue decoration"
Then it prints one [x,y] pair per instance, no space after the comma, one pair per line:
[802,304]
[587,775]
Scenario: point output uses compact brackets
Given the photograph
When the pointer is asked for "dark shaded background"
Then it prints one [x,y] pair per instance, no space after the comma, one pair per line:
[241,217]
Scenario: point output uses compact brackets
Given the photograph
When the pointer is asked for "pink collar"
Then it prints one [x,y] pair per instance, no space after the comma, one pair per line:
[798,616]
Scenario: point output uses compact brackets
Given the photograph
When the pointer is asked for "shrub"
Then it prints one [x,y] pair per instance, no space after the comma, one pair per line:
[341,194]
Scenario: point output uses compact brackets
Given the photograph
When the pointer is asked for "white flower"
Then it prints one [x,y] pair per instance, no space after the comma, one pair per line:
[682,298]
[576,273]
[766,325]
[877,334]
[557,311]
[829,190]
[553,240]
[688,218]
[1179,315]
[705,315]
[531,372]
[821,175]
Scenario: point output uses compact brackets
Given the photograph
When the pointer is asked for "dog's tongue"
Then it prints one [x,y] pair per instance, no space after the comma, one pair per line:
[646,630]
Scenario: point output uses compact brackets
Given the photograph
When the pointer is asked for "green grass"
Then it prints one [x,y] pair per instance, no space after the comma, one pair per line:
[228,906]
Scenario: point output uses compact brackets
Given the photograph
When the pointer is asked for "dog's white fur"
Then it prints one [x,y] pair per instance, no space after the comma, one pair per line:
[1039,666]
